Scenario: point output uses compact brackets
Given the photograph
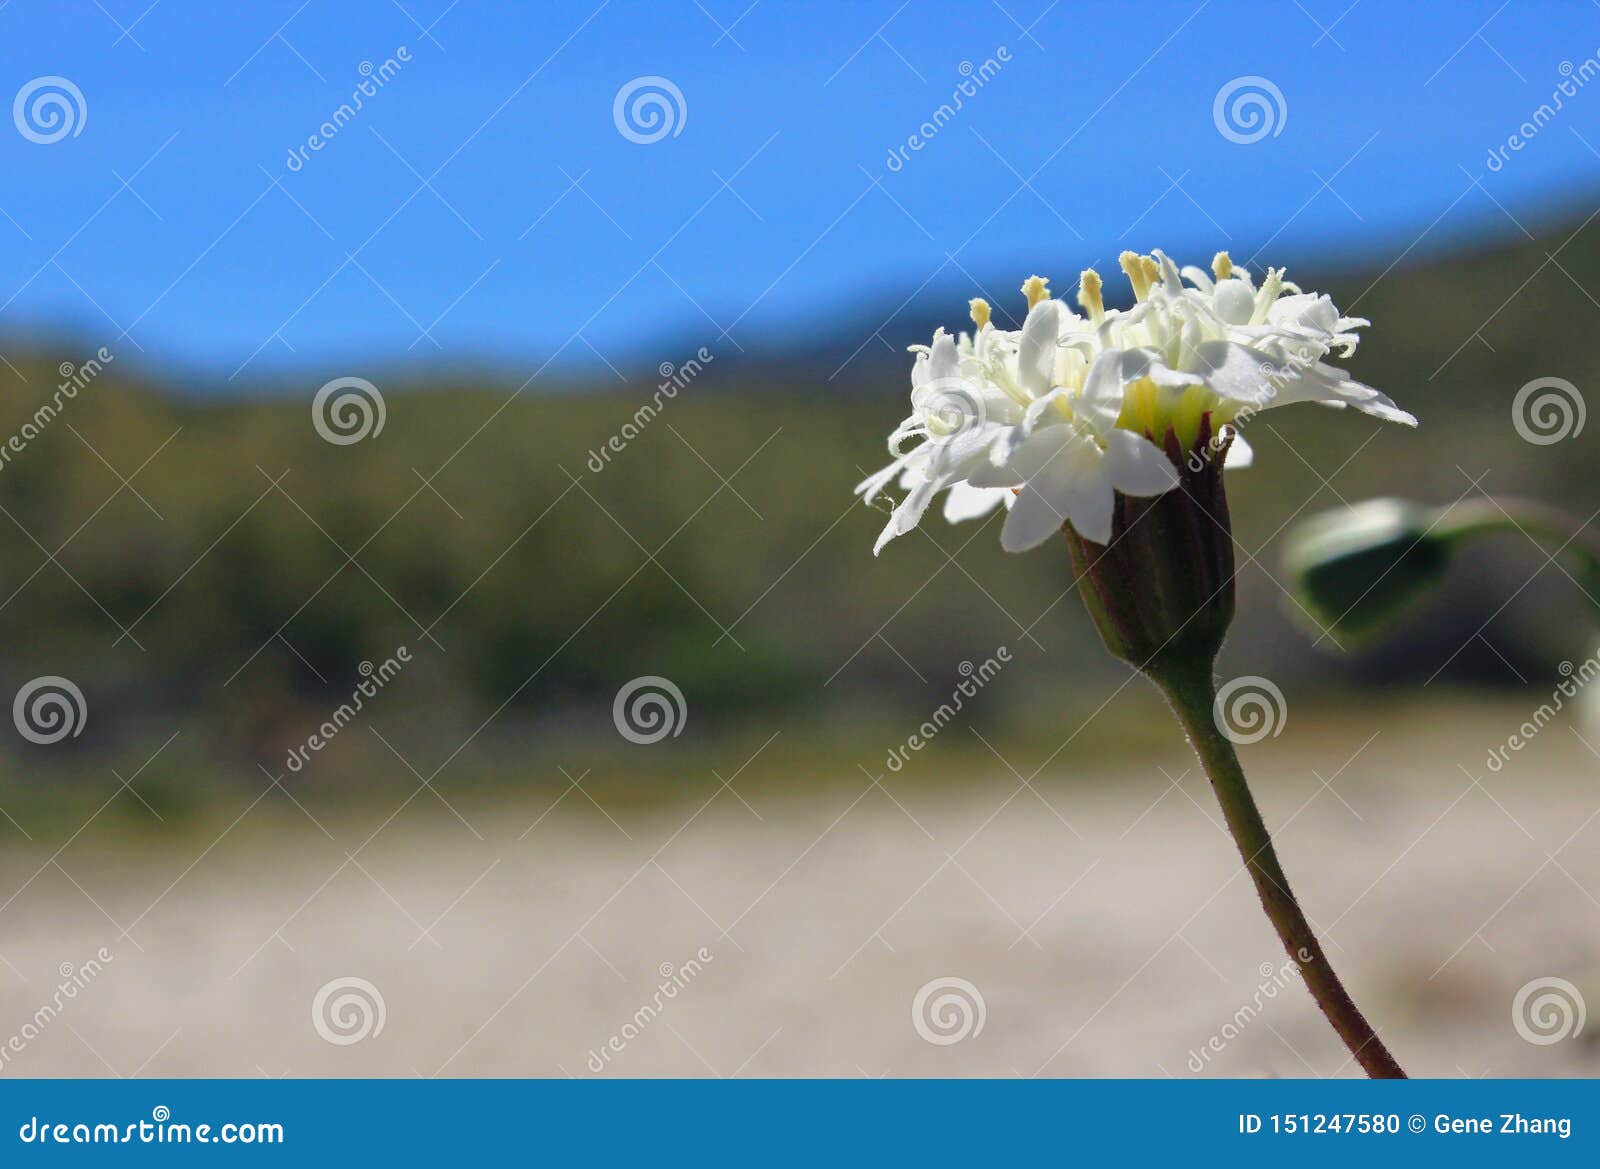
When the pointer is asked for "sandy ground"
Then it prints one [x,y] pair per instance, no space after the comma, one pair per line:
[1106,928]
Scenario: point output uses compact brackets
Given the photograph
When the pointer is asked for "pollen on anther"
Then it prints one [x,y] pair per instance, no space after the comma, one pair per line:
[1089,295]
[979,308]
[1142,272]
[1035,289]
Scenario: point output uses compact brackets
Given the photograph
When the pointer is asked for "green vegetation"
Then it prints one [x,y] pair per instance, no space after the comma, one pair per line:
[255,566]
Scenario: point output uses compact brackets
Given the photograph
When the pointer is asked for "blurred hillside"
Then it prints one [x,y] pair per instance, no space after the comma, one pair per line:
[215,565]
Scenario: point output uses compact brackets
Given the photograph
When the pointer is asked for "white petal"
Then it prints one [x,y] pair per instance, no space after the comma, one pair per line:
[1170,282]
[1091,511]
[1101,400]
[919,373]
[1039,451]
[1308,309]
[1043,466]
[1382,407]
[1239,373]
[944,362]
[913,427]
[908,513]
[1161,373]
[1240,453]
[994,476]
[1032,521]
[1136,466]
[1330,386]
[1036,351]
[1046,410]
[1074,486]
[965,502]
[1090,498]
[1364,397]
[1235,301]
[963,450]
[890,531]
[874,483]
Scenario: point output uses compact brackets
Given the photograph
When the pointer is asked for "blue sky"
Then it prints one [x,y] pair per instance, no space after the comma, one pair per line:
[484,205]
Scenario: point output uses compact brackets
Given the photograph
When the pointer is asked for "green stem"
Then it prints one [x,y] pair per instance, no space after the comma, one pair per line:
[1563,534]
[1192,693]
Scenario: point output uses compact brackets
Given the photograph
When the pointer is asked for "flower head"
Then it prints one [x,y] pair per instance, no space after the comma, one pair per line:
[1060,417]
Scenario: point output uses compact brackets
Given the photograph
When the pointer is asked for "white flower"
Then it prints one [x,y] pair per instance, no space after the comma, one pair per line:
[1058,417]
[959,409]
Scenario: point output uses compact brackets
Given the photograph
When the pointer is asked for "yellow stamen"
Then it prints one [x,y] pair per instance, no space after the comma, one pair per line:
[1034,289]
[1089,295]
[1152,270]
[1222,266]
[979,308]
[1142,272]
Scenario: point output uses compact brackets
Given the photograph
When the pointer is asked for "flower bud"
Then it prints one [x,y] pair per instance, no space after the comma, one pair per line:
[1358,569]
